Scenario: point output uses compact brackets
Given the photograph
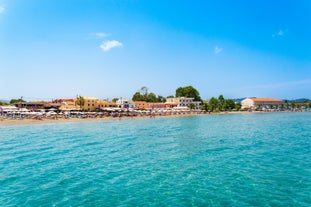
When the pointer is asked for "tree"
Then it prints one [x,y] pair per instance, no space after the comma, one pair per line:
[151,97]
[293,105]
[161,99]
[171,96]
[114,100]
[138,97]
[14,101]
[3,103]
[205,106]
[238,106]
[213,103]
[221,101]
[144,95]
[144,92]
[191,105]
[80,101]
[188,92]
[229,104]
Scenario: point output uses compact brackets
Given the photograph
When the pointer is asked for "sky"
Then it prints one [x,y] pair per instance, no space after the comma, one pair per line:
[58,49]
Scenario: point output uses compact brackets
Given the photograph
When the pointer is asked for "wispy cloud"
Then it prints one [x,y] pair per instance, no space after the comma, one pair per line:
[280,33]
[100,34]
[217,50]
[2,9]
[107,45]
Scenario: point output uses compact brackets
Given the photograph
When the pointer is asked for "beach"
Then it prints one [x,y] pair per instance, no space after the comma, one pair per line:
[18,121]
[10,121]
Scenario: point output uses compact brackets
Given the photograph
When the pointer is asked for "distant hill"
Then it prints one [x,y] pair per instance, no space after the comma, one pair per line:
[238,100]
[300,100]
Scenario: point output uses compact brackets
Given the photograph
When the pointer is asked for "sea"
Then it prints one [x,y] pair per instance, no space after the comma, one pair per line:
[254,159]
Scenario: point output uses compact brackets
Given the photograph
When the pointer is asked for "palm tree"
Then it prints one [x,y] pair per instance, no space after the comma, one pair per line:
[80,101]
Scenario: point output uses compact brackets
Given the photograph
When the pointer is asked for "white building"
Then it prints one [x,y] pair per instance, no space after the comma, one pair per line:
[254,103]
[124,103]
[183,102]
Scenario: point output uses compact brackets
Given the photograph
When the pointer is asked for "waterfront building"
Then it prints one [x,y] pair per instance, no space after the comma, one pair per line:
[106,104]
[125,104]
[67,104]
[150,105]
[261,103]
[183,102]
[38,105]
[90,103]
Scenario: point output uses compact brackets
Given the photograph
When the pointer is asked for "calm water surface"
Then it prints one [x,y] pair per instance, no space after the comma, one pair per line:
[219,160]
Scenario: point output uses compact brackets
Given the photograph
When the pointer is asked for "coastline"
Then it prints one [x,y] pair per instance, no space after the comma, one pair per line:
[26,121]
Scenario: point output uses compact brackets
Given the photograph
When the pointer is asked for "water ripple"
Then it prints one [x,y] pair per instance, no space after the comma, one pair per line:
[234,160]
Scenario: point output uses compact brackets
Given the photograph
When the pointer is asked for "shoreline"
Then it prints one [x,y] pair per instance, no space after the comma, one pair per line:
[27,121]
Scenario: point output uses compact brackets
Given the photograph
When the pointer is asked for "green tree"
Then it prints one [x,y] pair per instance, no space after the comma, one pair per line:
[205,106]
[138,97]
[229,104]
[171,96]
[14,101]
[144,92]
[151,97]
[114,100]
[144,95]
[221,101]
[161,99]
[192,106]
[2,103]
[238,106]
[213,103]
[80,101]
[189,92]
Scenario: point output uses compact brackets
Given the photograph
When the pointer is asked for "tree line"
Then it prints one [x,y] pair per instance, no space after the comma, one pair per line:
[212,105]
[220,104]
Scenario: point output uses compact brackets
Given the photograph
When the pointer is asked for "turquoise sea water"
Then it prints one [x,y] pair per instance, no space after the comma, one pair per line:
[218,160]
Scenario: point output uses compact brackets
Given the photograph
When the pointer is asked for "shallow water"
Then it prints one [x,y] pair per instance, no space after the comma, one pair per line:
[218,160]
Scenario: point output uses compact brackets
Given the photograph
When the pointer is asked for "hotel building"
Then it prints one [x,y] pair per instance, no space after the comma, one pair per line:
[263,103]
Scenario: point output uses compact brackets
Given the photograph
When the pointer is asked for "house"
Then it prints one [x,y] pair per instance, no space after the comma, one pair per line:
[126,104]
[261,103]
[106,104]
[150,105]
[67,104]
[183,102]
[90,103]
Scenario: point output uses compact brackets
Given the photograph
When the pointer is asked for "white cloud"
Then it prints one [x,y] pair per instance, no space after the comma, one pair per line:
[217,50]
[107,45]
[101,34]
[1,9]
[280,33]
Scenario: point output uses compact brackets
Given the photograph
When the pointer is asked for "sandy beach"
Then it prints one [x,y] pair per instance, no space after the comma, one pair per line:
[9,121]
[17,121]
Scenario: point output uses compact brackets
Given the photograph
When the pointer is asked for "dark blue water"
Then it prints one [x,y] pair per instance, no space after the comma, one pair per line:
[219,160]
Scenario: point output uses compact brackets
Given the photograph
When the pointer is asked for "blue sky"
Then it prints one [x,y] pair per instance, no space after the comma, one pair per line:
[54,48]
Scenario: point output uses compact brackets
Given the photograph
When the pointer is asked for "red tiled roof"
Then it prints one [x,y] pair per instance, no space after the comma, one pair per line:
[266,100]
